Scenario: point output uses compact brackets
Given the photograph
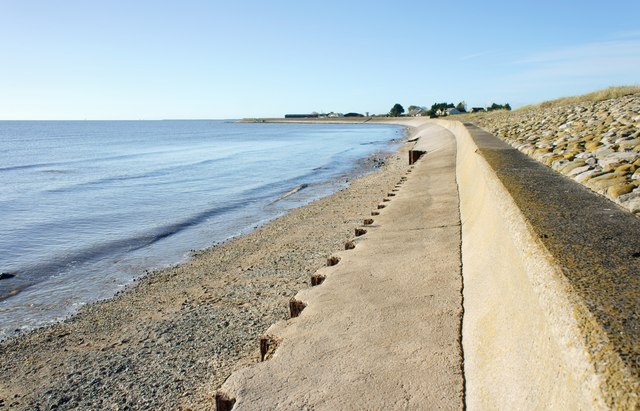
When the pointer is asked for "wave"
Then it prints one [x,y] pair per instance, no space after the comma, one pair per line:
[61,164]
[31,275]
[376,142]
[290,192]
[161,172]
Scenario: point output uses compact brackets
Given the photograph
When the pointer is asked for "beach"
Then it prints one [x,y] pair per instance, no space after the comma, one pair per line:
[531,270]
[84,222]
[171,340]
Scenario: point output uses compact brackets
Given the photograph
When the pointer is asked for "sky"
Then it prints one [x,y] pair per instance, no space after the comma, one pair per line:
[187,59]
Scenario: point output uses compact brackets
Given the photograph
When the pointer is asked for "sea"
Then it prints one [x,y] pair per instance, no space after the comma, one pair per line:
[88,206]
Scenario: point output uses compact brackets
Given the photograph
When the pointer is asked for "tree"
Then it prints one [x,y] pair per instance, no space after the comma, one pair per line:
[396,110]
[495,106]
[439,108]
[462,107]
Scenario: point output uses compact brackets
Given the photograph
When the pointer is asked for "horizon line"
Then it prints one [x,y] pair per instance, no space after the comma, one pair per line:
[128,119]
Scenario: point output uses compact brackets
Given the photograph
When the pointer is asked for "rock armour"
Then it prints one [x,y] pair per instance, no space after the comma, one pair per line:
[595,143]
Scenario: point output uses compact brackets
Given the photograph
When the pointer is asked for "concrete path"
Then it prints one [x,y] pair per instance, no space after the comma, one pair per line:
[383,331]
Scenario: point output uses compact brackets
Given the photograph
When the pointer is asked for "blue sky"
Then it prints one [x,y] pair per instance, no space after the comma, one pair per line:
[133,59]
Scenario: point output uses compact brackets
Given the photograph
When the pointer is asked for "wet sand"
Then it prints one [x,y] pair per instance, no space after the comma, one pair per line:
[172,340]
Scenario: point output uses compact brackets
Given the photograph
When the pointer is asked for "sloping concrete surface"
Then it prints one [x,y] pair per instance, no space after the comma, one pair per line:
[596,245]
[521,342]
[551,278]
[383,330]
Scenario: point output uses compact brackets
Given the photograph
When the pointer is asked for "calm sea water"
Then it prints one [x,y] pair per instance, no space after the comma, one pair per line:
[86,206]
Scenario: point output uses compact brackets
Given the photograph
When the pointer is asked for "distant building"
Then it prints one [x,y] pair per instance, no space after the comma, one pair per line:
[312,115]
[453,111]
[477,109]
[416,112]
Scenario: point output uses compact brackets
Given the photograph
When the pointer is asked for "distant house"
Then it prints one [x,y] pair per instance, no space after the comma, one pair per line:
[477,109]
[334,115]
[312,115]
[453,111]
[416,111]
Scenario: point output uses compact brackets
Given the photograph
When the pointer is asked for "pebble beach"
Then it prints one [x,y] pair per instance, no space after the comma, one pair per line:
[171,340]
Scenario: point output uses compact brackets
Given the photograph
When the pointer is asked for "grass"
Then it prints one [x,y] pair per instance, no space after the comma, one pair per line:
[596,96]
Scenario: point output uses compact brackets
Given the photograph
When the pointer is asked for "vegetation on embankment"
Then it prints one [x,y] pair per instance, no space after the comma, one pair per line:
[594,97]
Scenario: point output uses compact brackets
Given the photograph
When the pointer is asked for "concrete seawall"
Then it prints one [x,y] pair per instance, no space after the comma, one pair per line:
[512,355]
[550,289]
[538,326]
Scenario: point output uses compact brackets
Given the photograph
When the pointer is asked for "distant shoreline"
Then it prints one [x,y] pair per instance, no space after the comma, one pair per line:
[326,120]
